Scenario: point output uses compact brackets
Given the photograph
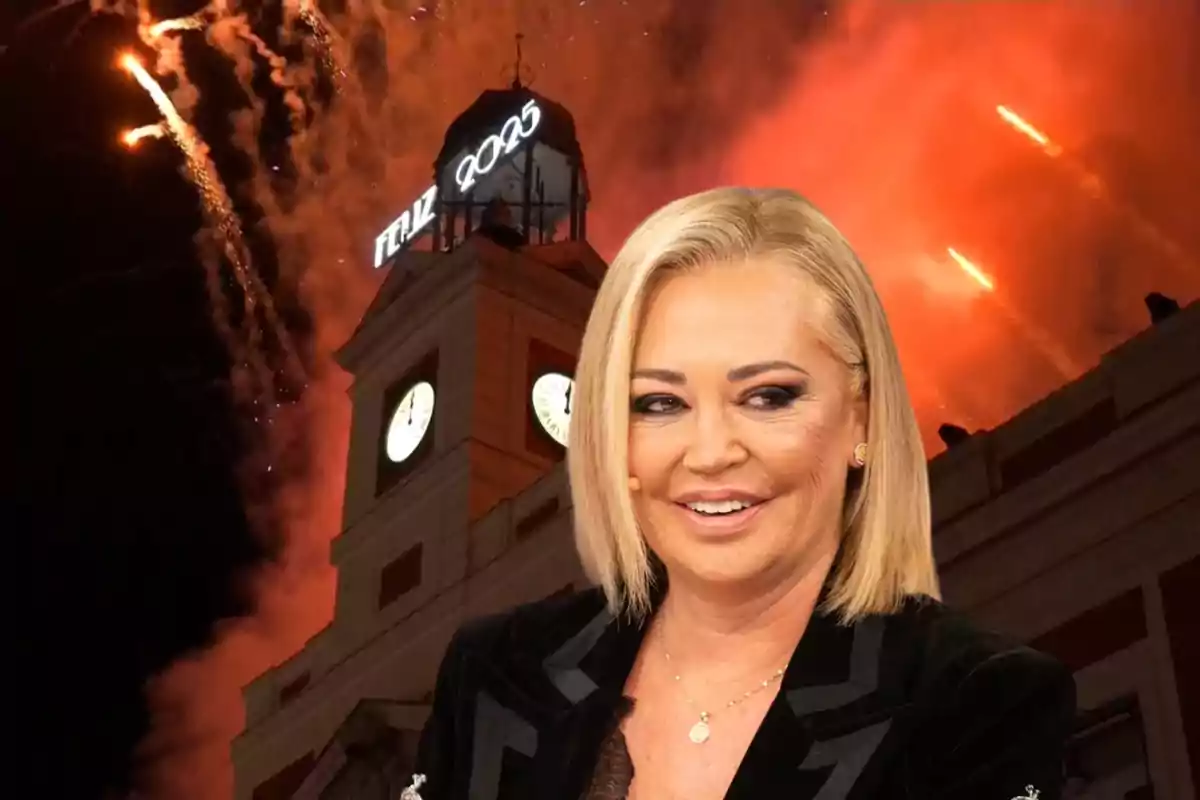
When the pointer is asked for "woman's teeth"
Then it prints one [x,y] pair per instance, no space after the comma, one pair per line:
[721,507]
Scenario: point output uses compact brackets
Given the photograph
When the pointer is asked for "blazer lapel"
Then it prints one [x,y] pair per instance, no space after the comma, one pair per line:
[537,715]
[829,720]
[501,731]
[589,671]
[536,708]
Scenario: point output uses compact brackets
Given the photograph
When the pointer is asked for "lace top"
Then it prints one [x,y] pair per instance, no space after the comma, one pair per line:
[613,772]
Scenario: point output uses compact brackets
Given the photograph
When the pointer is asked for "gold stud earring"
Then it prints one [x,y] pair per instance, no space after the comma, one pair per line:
[860,454]
[635,485]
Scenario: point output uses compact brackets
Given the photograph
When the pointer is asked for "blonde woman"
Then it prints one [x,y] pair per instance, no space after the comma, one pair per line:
[751,501]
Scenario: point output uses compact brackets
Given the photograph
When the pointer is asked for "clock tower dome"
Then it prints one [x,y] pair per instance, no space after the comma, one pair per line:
[456,503]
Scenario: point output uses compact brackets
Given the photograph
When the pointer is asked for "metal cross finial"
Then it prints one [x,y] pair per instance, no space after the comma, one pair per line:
[411,792]
[516,84]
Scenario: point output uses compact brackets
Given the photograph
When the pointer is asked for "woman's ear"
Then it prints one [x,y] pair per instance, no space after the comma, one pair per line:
[856,456]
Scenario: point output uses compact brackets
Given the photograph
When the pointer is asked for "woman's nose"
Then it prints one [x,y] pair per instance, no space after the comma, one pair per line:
[714,445]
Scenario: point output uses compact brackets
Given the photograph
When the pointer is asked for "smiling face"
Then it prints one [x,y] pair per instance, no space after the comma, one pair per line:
[742,424]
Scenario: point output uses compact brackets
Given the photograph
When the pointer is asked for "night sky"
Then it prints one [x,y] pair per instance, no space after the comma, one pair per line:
[129,526]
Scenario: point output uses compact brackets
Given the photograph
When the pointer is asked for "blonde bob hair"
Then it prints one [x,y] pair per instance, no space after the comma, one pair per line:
[886,553]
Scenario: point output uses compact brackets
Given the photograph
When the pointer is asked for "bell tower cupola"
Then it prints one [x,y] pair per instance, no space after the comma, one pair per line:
[510,167]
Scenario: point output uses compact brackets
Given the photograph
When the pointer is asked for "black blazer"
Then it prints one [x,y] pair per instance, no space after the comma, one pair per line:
[919,704]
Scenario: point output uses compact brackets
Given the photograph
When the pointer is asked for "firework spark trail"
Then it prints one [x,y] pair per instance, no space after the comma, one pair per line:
[328,45]
[217,203]
[1019,124]
[225,27]
[974,272]
[1037,337]
[1098,189]
[200,171]
[193,23]
[219,211]
[131,138]
[228,32]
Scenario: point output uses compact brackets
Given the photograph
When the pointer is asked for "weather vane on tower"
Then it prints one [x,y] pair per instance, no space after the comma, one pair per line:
[520,68]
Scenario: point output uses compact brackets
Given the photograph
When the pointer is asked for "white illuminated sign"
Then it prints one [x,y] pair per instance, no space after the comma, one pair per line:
[470,169]
[405,227]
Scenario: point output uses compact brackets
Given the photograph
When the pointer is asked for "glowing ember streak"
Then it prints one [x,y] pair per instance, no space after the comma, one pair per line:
[1096,188]
[1020,125]
[179,129]
[219,209]
[202,171]
[323,33]
[1030,331]
[131,137]
[976,274]
[182,24]
[312,15]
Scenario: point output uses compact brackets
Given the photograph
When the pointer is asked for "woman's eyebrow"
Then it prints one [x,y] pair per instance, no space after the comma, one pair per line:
[744,372]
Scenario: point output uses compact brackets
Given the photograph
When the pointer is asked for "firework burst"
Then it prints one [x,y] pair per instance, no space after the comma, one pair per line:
[222,218]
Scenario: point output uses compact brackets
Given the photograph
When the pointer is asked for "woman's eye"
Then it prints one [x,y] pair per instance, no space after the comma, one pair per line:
[772,397]
[655,404]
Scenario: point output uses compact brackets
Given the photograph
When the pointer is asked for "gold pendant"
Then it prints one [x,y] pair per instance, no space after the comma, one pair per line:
[699,732]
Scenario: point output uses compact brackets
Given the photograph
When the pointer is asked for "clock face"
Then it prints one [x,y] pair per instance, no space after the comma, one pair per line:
[409,423]
[552,397]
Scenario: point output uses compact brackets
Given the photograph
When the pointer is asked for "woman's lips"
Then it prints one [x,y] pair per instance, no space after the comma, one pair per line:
[721,524]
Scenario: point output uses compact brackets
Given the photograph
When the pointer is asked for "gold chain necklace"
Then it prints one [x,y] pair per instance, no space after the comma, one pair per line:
[700,732]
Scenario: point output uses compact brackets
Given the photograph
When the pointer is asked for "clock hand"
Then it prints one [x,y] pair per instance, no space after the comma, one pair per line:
[567,407]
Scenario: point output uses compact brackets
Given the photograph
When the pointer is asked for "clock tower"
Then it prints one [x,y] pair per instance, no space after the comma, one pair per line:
[469,347]
[456,503]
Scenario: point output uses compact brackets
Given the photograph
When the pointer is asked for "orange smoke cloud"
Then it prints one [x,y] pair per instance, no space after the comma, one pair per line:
[891,124]
[884,113]
[197,702]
